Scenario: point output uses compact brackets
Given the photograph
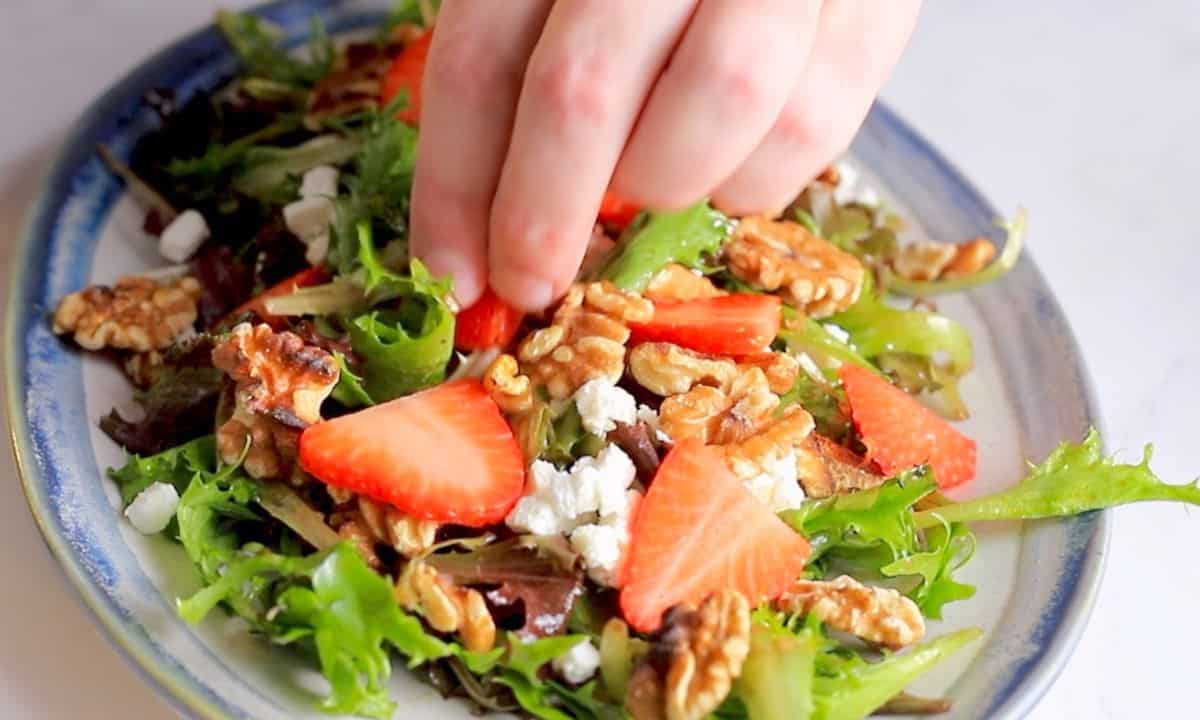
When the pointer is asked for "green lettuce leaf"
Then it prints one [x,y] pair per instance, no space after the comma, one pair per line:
[349,391]
[864,687]
[777,679]
[802,334]
[655,240]
[879,516]
[876,328]
[1075,478]
[267,170]
[257,44]
[176,466]
[950,548]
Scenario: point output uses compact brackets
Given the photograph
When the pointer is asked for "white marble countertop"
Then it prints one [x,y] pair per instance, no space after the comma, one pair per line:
[1084,112]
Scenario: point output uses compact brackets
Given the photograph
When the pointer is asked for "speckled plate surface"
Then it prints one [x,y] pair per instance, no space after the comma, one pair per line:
[1036,580]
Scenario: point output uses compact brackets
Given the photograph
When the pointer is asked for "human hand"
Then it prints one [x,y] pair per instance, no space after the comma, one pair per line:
[531,109]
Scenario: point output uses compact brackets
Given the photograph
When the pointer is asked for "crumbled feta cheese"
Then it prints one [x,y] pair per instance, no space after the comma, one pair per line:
[837,332]
[602,405]
[151,511]
[318,249]
[309,217]
[778,486]
[809,366]
[646,414]
[321,181]
[600,548]
[559,500]
[180,240]
[578,664]
[534,515]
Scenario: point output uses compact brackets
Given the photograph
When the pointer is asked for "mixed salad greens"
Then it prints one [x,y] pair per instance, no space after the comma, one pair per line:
[540,514]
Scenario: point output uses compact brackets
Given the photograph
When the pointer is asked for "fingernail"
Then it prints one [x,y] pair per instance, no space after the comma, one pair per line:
[527,292]
[468,285]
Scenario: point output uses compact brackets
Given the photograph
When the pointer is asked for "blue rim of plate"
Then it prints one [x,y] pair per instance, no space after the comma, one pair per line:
[1055,637]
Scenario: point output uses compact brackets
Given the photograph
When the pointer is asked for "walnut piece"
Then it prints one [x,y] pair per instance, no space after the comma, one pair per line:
[585,340]
[277,373]
[393,527]
[447,607]
[756,454]
[925,260]
[273,446]
[810,273]
[826,468]
[676,283]
[693,660]
[138,313]
[511,390]
[780,368]
[970,258]
[717,416]
[875,614]
[665,369]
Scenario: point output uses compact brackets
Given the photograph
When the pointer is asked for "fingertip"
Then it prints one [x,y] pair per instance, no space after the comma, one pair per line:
[523,290]
[468,276]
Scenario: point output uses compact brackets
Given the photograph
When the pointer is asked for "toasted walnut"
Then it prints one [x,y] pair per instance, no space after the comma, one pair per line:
[586,339]
[138,313]
[391,526]
[970,258]
[810,273]
[693,660]
[875,614]
[277,373]
[717,416]
[511,390]
[754,455]
[273,446]
[446,607]
[925,260]
[144,368]
[675,283]
[356,531]
[826,468]
[781,369]
[665,369]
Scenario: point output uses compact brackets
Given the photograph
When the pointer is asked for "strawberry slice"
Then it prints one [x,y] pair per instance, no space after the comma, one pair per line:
[406,73]
[699,530]
[489,323]
[617,211]
[901,433]
[738,324]
[443,454]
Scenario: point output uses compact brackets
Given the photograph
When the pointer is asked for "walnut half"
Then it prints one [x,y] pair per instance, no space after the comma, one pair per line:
[137,313]
[810,273]
[446,607]
[277,373]
[585,340]
[876,614]
[693,660]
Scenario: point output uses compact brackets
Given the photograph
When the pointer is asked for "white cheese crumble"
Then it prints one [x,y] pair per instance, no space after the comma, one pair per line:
[591,503]
[151,511]
[180,240]
[837,331]
[602,405]
[578,664]
[309,217]
[778,486]
[321,181]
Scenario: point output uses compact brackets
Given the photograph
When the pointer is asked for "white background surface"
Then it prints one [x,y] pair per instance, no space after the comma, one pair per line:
[1084,111]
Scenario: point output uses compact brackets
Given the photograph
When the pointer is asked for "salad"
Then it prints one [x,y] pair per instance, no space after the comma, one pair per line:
[706,483]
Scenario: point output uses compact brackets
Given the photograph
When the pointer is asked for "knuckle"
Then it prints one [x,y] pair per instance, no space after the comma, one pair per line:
[574,90]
